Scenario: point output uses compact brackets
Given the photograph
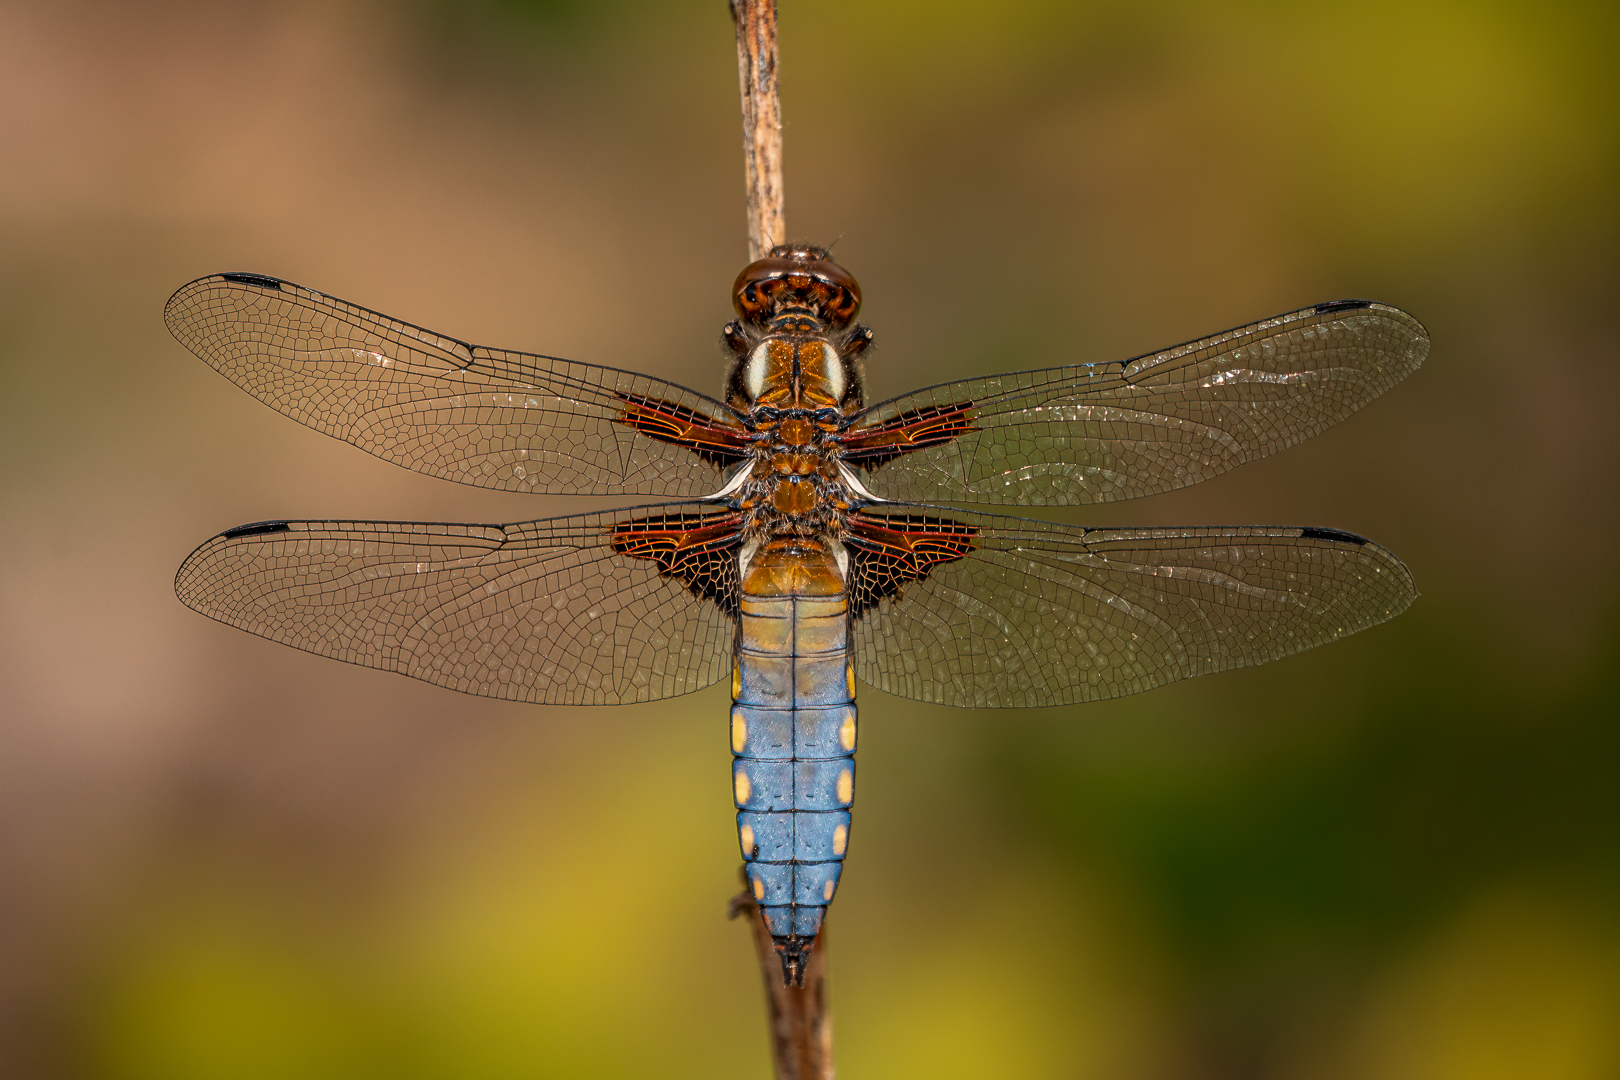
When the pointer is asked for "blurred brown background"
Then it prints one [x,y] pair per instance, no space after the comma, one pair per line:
[1395,858]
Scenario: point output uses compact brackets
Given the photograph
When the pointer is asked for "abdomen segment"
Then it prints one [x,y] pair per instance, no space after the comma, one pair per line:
[793,737]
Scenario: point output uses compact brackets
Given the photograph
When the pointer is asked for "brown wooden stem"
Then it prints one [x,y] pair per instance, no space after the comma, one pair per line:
[801,1024]
[762,123]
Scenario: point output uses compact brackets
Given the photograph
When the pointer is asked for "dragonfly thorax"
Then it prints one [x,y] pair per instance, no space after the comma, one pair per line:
[791,373]
[795,484]
[796,391]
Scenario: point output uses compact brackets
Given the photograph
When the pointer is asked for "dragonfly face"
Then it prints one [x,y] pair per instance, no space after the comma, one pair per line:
[809,551]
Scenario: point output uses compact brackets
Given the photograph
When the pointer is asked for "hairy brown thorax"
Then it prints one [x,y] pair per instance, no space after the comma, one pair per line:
[796,380]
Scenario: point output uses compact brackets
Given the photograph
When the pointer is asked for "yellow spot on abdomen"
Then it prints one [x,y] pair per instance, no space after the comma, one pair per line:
[746,835]
[736,682]
[759,889]
[827,890]
[743,788]
[739,732]
[846,786]
[840,839]
[849,680]
[846,733]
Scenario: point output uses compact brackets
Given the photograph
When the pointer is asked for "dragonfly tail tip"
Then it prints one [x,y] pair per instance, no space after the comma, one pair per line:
[794,953]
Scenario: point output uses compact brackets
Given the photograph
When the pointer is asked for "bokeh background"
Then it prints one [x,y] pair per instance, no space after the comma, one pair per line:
[1395,858]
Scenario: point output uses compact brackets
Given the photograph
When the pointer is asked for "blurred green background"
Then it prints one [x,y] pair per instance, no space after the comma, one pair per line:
[1395,858]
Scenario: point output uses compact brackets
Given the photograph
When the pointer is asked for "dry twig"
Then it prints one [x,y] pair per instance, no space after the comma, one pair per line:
[801,1025]
[762,122]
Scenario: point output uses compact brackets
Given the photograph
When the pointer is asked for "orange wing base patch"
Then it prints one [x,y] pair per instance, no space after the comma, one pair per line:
[907,433]
[699,550]
[668,422]
[888,550]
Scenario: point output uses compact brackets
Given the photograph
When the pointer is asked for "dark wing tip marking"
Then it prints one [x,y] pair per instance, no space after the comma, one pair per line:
[263,281]
[258,528]
[1342,305]
[1337,536]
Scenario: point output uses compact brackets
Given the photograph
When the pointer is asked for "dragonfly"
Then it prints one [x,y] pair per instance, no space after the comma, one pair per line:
[806,537]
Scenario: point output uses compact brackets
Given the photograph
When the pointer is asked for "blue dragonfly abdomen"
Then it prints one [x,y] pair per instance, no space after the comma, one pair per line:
[793,736]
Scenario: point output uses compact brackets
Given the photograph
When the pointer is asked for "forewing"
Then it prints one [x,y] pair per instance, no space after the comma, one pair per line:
[1099,432]
[583,610]
[999,611]
[507,420]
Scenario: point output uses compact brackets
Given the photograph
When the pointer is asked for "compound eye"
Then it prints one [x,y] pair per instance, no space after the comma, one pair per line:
[791,272]
[751,291]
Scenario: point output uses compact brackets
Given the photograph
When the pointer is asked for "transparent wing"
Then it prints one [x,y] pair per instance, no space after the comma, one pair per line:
[1010,612]
[506,420]
[548,611]
[1099,432]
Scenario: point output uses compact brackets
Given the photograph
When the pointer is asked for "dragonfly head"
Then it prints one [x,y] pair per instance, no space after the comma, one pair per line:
[797,280]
